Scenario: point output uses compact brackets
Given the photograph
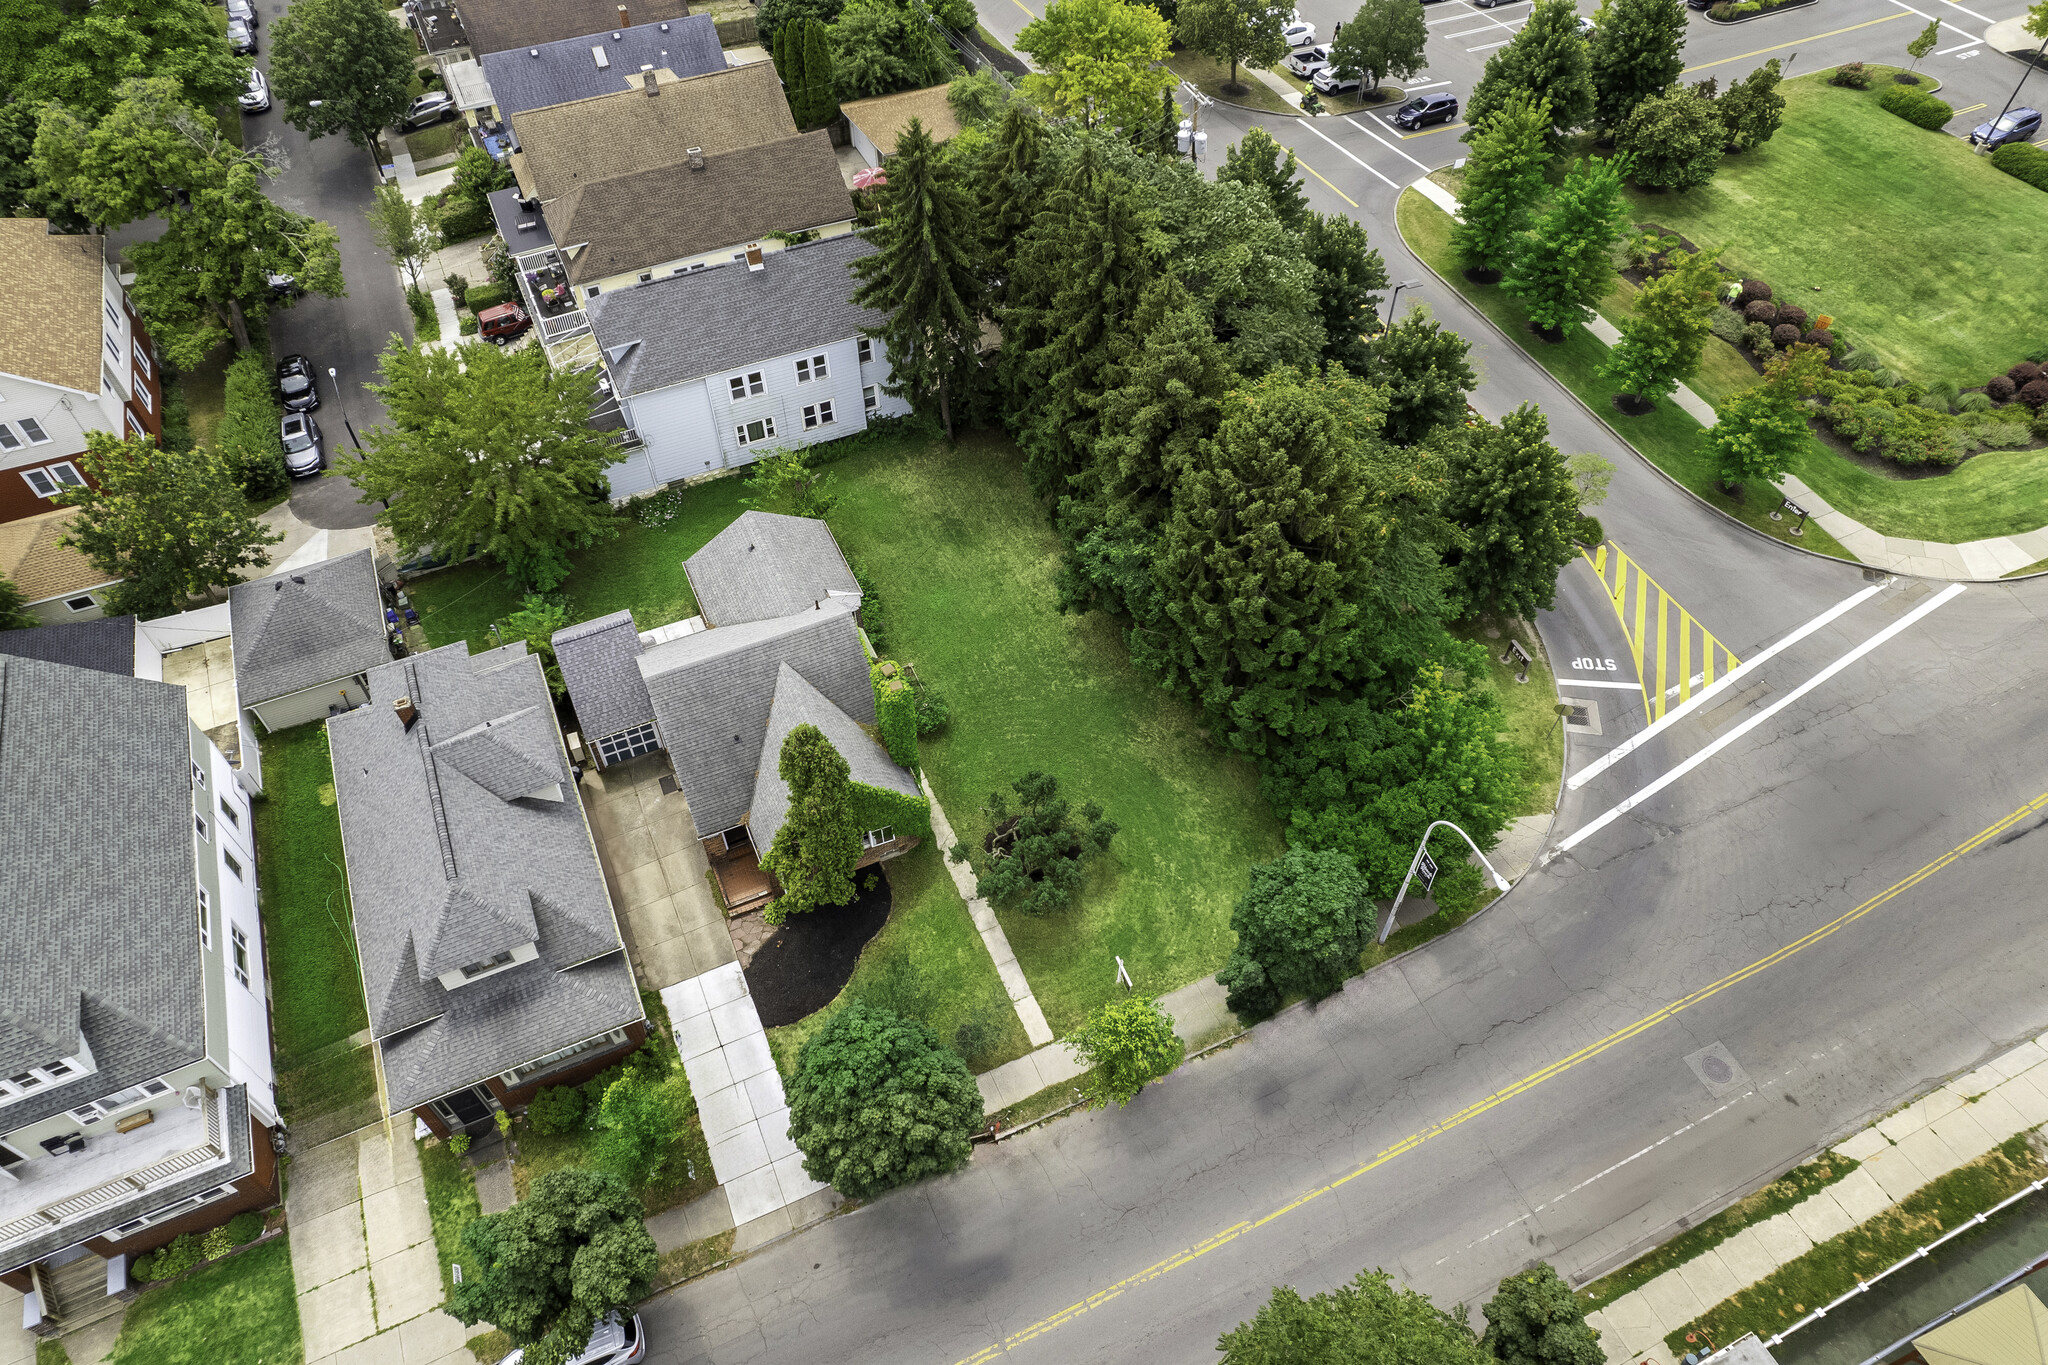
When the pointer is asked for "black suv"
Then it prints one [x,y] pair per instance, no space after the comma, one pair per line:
[298,388]
[1424,110]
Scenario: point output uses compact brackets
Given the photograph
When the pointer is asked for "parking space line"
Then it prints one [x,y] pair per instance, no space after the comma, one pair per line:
[1974,42]
[1485,46]
[1930,18]
[1384,143]
[1340,147]
[1426,85]
[1485,28]
[1813,38]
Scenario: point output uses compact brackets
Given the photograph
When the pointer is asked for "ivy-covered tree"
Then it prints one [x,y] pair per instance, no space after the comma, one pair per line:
[341,66]
[1257,160]
[1759,431]
[1125,1044]
[1386,39]
[1421,367]
[1547,60]
[1035,851]
[547,1270]
[1301,926]
[1636,52]
[1502,186]
[1349,278]
[1752,109]
[1517,505]
[489,452]
[169,525]
[815,850]
[1673,141]
[1534,1318]
[876,1103]
[1366,1322]
[1011,190]
[1561,269]
[1098,61]
[922,275]
[1661,340]
[1233,31]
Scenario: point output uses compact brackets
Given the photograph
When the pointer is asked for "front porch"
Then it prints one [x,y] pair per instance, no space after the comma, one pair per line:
[742,881]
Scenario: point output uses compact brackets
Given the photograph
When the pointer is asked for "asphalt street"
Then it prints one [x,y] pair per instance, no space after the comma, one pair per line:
[1797,871]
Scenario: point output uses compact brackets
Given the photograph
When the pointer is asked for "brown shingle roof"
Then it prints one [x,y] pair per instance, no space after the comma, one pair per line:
[57,281]
[884,117]
[39,566]
[495,25]
[671,212]
[566,145]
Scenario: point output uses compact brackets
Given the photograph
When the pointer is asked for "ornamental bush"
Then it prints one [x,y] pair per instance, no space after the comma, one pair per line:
[1917,107]
[2023,372]
[1762,310]
[2000,389]
[1753,290]
[482,296]
[876,1103]
[1589,532]
[1303,921]
[1974,402]
[1125,1044]
[2034,393]
[1757,336]
[248,434]
[1851,76]
[1861,359]
[1819,336]
[1793,314]
[1784,334]
[2024,162]
[555,1109]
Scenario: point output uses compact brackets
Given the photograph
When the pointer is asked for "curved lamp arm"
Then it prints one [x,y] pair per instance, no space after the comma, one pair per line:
[1416,861]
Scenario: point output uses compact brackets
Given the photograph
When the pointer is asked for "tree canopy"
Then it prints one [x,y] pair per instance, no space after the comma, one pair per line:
[1502,186]
[1034,862]
[1366,1322]
[1125,1044]
[1301,925]
[1386,38]
[1534,1318]
[1661,340]
[1422,369]
[816,848]
[1562,268]
[1098,60]
[1762,428]
[1547,60]
[1517,506]
[1235,31]
[1636,52]
[1673,141]
[881,46]
[341,66]
[1257,160]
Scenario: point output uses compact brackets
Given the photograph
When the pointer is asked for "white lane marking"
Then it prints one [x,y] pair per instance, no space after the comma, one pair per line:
[1947,23]
[1483,28]
[1420,165]
[1967,55]
[1340,147]
[1484,46]
[1598,682]
[1426,85]
[1935,603]
[1959,47]
[1720,684]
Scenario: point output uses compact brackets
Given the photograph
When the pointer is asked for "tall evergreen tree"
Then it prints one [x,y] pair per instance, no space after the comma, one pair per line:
[1011,188]
[821,105]
[1349,276]
[1171,377]
[1256,160]
[923,275]
[1547,58]
[1636,52]
[1421,367]
[1661,340]
[1517,505]
[817,846]
[1561,269]
[1503,184]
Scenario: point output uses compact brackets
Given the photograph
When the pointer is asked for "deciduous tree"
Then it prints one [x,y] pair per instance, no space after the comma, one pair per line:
[1547,60]
[637,1124]
[249,437]
[1535,1319]
[1661,340]
[1636,52]
[1590,475]
[538,618]
[1233,31]
[168,525]
[1257,160]
[876,1103]
[403,230]
[1421,367]
[1759,431]
[1126,1044]
[923,275]
[1384,40]
[816,848]
[787,482]
[1034,861]
[1503,184]
[79,55]
[489,452]
[1924,43]
[1673,141]
[1349,278]
[1301,926]
[1366,1322]
[1515,501]
[1563,267]
[550,1268]
[1752,109]
[341,66]
[1098,60]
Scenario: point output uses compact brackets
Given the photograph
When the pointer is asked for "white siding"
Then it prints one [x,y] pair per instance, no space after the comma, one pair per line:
[863,144]
[297,708]
[676,425]
[246,1012]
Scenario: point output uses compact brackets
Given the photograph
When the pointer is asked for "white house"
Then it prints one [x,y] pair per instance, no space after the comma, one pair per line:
[717,368]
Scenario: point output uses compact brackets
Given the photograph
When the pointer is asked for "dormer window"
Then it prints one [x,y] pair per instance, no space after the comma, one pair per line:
[488,965]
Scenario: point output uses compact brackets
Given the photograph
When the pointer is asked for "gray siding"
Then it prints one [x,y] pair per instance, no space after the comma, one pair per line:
[299,708]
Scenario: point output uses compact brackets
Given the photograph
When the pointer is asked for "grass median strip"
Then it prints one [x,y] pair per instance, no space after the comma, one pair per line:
[452,1203]
[1794,1187]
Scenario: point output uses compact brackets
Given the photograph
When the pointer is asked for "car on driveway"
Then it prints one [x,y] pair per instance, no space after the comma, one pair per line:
[502,323]
[2016,125]
[304,452]
[1424,110]
[298,387]
[1309,60]
[1586,26]
[1328,82]
[614,1342]
[255,96]
[436,106]
[241,38]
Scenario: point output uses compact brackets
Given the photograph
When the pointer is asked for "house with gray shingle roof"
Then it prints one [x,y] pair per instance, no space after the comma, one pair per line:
[136,1090]
[306,639]
[716,368]
[766,565]
[490,952]
[534,75]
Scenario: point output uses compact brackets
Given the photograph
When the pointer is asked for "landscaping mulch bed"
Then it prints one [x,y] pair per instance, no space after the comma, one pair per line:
[804,963]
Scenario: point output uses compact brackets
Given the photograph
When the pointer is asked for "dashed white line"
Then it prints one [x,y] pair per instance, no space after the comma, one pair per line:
[1484,46]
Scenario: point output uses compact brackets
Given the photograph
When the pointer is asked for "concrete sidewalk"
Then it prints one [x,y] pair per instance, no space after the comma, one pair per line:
[1036,1030]
[1200,1017]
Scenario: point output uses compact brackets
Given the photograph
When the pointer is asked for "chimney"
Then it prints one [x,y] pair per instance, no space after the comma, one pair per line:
[696,155]
[647,79]
[754,261]
[624,20]
[407,712]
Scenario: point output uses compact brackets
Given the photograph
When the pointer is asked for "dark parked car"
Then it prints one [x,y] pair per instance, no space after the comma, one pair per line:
[1424,110]
[241,38]
[298,387]
[304,452]
[243,10]
[2018,125]
[436,106]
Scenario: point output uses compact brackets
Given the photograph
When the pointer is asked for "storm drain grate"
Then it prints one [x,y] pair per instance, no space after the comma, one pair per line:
[668,785]
[1583,715]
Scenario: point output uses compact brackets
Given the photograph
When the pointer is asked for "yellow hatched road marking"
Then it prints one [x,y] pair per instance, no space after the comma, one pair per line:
[1650,630]
[1472,1111]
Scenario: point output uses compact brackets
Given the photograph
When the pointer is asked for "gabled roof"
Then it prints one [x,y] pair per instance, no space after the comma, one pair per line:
[43,568]
[96,836]
[688,326]
[562,146]
[2011,1329]
[884,117]
[509,757]
[59,282]
[799,703]
[538,73]
[496,25]
[444,872]
[598,662]
[712,692]
[306,627]
[766,565]
[106,645]
[670,212]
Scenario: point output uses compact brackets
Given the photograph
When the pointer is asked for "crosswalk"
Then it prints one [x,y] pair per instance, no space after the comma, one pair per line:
[1673,653]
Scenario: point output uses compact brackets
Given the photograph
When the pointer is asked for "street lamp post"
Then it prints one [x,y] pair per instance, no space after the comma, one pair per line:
[2011,99]
[1396,297]
[339,402]
[1416,862]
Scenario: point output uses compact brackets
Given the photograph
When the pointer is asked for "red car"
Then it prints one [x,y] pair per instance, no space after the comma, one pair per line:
[502,323]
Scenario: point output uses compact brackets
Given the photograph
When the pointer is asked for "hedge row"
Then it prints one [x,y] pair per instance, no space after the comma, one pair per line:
[249,436]
[2023,161]
[1917,107]
[482,296]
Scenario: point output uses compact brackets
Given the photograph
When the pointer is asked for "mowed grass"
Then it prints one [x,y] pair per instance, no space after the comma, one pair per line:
[1529,716]
[1921,250]
[240,1311]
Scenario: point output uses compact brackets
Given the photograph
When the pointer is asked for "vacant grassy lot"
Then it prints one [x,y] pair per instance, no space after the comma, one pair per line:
[240,1311]
[1920,249]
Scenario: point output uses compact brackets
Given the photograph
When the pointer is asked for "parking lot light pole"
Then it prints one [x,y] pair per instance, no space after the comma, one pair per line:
[1416,862]
[2013,98]
[1396,297]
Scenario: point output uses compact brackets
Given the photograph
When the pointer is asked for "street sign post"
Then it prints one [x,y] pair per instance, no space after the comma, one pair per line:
[1427,867]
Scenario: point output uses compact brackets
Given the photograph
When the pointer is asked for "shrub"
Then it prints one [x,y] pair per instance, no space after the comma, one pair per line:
[169,1261]
[932,711]
[1126,1044]
[1301,925]
[555,1109]
[217,1243]
[1917,107]
[1784,334]
[1974,402]
[1816,337]
[1725,325]
[2023,372]
[467,324]
[2000,389]
[1851,76]
[2023,162]
[245,1227]
[1938,398]
[464,219]
[482,296]
[2039,426]
[1885,377]
[1762,310]
[458,287]
[248,435]
[459,1144]
[895,711]
[1035,855]
[2034,393]
[876,1103]
[1589,532]
[1860,360]
[1757,336]
[1753,290]
[1793,314]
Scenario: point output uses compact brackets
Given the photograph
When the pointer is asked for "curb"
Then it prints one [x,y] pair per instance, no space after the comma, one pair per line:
[1765,14]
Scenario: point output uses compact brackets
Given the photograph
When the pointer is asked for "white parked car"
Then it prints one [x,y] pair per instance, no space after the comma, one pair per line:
[615,1342]
[1309,60]
[1298,32]
[1328,82]
[255,97]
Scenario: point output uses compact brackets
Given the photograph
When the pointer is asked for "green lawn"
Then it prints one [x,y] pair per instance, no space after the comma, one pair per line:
[1922,251]
[438,140]
[1209,76]
[1528,709]
[240,1311]
[452,1204]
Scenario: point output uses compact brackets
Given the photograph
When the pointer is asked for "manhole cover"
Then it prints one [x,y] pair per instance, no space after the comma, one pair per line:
[1716,1068]
[668,785]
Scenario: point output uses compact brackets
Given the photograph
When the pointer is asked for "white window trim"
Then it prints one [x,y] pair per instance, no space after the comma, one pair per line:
[82,602]
[867,350]
[818,415]
[199,824]
[142,393]
[205,919]
[108,1105]
[554,1061]
[29,476]
[767,425]
[239,953]
[142,362]
[870,398]
[875,838]
[35,431]
[76,480]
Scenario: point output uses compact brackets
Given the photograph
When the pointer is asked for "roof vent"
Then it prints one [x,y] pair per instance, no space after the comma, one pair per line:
[696,155]
[298,580]
[754,261]
[664,28]
[600,56]
[533,52]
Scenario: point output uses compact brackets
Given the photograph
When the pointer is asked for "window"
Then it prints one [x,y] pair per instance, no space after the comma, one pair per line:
[33,1078]
[64,472]
[142,361]
[647,277]
[869,399]
[205,920]
[113,348]
[33,429]
[85,602]
[807,370]
[120,1099]
[185,1205]
[241,947]
[744,386]
[761,429]
[519,1075]
[592,292]
[627,744]
[113,314]
[875,838]
[199,823]
[234,864]
[9,441]
[199,777]
[38,479]
[234,817]
[487,966]
[818,415]
[867,351]
[135,427]
[142,392]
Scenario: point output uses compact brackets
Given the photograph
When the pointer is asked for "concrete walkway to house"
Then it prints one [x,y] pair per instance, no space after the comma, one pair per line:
[656,869]
[991,930]
[363,1257]
[1947,1128]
